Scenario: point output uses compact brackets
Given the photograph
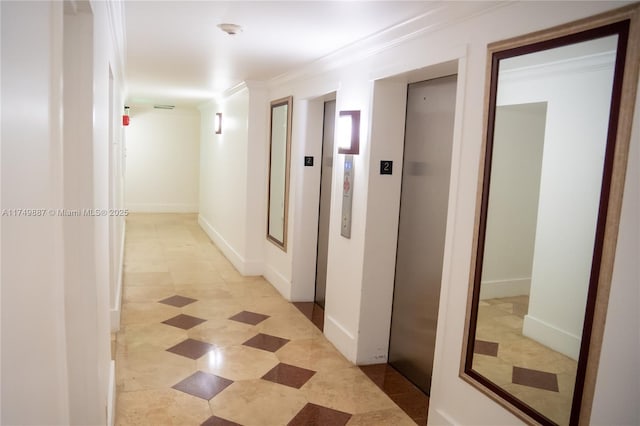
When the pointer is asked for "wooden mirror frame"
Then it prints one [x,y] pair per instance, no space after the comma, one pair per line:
[288,101]
[615,164]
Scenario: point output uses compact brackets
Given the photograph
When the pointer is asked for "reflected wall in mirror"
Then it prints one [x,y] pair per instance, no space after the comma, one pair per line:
[279,163]
[549,205]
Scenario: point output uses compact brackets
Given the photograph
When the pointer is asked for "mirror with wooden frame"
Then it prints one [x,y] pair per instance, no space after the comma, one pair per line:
[558,120]
[279,164]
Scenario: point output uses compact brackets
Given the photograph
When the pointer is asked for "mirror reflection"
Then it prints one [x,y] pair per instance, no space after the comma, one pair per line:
[546,162]
[279,171]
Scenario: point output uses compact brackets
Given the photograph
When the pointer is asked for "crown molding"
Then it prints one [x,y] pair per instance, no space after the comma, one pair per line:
[445,14]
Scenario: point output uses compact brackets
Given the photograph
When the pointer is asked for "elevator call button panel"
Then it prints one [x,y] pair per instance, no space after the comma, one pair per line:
[347,196]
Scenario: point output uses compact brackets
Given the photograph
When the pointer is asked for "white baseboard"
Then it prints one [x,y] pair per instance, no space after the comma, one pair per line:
[111,396]
[279,281]
[117,303]
[505,288]
[245,267]
[340,337]
[551,336]
[162,208]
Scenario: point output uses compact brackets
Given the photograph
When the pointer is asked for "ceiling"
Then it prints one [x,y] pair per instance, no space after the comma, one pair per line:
[176,55]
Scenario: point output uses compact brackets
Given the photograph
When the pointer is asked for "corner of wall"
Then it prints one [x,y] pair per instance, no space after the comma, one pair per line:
[341,338]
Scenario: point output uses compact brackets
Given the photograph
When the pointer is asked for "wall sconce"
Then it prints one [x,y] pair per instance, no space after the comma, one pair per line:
[217,123]
[349,132]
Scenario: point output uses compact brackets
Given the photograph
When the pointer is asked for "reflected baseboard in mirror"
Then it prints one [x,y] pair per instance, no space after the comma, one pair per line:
[558,120]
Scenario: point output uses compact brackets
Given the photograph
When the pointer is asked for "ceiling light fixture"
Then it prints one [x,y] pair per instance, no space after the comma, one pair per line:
[164,106]
[231,29]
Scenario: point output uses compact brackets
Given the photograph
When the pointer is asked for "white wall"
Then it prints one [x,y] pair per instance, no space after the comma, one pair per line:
[54,303]
[513,200]
[163,160]
[233,177]
[570,182]
[33,313]
[461,32]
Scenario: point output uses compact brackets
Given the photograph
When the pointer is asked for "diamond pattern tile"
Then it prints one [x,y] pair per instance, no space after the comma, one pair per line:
[249,317]
[191,348]
[535,379]
[289,375]
[203,385]
[184,322]
[239,377]
[312,414]
[313,312]
[178,301]
[266,342]
[483,347]
[219,421]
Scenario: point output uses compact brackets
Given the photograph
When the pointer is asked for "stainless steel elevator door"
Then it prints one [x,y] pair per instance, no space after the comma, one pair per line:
[325,200]
[421,233]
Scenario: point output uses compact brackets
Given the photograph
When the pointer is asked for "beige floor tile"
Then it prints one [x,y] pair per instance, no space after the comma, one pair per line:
[169,254]
[222,332]
[149,337]
[271,305]
[160,407]
[146,312]
[314,354]
[238,362]
[147,293]
[393,416]
[493,369]
[147,279]
[251,288]
[209,311]
[347,390]
[151,265]
[289,326]
[139,370]
[203,292]
[258,403]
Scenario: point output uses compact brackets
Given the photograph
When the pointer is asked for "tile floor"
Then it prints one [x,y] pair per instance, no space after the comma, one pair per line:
[535,374]
[201,344]
[404,393]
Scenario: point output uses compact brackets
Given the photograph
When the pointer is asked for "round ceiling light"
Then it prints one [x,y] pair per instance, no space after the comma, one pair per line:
[231,29]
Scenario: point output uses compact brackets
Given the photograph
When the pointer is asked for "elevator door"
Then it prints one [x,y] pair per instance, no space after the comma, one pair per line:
[421,233]
[325,200]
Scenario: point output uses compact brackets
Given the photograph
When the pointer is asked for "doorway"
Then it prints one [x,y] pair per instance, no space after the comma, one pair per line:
[326,173]
[421,233]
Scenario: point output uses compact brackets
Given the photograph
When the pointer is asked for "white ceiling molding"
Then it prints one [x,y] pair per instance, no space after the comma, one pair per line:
[449,13]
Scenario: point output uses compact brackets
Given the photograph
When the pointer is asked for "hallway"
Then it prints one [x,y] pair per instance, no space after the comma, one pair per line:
[201,343]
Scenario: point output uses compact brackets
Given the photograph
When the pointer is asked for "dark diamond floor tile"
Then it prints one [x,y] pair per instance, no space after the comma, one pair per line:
[317,415]
[313,311]
[266,342]
[405,394]
[184,322]
[483,347]
[203,385]
[191,348]
[218,421]
[414,403]
[178,301]
[248,317]
[289,375]
[535,379]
